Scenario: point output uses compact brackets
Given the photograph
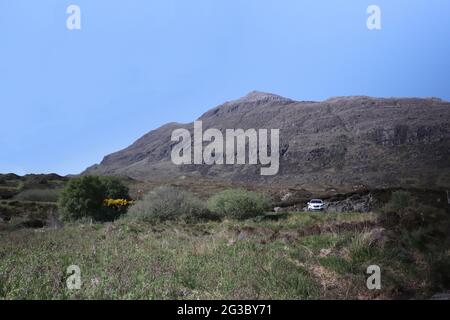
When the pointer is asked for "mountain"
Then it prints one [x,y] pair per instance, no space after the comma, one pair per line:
[343,143]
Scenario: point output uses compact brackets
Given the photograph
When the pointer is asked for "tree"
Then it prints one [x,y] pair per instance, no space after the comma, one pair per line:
[84,198]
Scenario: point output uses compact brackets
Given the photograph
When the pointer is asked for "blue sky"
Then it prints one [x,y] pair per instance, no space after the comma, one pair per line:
[68,98]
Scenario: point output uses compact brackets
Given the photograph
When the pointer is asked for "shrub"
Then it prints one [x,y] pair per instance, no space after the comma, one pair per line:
[238,204]
[115,189]
[389,215]
[418,230]
[399,200]
[39,195]
[169,203]
[84,198]
[404,213]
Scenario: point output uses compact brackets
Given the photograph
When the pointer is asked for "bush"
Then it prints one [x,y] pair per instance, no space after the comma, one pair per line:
[238,204]
[399,200]
[114,188]
[419,230]
[84,198]
[39,195]
[169,203]
[403,212]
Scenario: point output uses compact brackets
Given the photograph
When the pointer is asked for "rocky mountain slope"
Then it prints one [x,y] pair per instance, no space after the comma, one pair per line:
[343,143]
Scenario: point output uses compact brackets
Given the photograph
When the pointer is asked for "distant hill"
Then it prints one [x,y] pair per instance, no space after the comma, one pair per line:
[343,143]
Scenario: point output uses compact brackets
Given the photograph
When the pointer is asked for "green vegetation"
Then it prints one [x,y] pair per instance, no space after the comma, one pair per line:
[39,195]
[231,259]
[399,200]
[84,198]
[169,246]
[16,215]
[419,234]
[169,203]
[29,201]
[134,259]
[238,204]
[29,187]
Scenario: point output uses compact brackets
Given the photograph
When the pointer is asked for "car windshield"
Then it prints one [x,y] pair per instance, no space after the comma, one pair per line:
[316,201]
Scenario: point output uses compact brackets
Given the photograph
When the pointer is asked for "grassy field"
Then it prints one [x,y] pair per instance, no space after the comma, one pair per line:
[286,256]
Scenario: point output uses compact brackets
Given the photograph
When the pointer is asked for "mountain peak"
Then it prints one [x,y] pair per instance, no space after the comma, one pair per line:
[256,96]
[251,100]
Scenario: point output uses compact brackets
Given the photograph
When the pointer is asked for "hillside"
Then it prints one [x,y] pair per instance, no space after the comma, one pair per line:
[29,201]
[343,143]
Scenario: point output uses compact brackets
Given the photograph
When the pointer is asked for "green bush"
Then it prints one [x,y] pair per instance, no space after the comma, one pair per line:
[169,203]
[115,189]
[84,198]
[238,204]
[39,195]
[403,212]
[399,200]
[419,230]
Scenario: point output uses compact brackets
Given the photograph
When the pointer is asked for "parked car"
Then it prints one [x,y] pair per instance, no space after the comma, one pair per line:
[316,205]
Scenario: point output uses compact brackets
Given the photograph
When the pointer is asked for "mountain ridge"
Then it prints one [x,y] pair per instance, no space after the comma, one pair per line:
[342,143]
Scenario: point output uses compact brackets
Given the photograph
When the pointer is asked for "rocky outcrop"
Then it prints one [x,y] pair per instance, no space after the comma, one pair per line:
[354,203]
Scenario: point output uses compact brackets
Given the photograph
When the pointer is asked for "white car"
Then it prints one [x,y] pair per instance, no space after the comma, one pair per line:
[316,205]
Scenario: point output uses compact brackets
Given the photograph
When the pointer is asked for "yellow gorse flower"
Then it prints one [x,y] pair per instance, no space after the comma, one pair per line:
[117,202]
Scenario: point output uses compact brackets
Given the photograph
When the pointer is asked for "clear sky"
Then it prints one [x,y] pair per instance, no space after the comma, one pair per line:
[67,98]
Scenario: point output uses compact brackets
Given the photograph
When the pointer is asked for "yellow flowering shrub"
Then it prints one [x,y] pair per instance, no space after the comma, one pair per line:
[117,203]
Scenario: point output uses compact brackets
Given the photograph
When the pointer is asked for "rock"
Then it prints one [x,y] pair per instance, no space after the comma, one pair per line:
[278,209]
[354,203]
[286,197]
[441,296]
